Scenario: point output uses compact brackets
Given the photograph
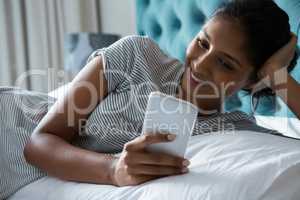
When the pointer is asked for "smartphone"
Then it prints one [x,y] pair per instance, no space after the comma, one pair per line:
[168,114]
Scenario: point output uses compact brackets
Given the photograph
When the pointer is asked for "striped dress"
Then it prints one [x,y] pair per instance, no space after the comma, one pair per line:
[134,67]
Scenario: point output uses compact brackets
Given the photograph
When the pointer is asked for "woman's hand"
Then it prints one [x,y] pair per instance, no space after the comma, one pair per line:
[274,75]
[278,61]
[136,165]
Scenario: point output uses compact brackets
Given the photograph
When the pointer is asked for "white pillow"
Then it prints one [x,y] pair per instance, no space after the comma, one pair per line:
[240,165]
[287,126]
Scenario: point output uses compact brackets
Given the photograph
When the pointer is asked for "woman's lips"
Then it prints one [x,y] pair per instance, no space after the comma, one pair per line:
[193,79]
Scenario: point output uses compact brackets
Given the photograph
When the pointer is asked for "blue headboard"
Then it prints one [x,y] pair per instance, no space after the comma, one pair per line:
[174,23]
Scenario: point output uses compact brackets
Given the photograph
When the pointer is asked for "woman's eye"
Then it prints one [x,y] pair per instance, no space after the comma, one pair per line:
[202,44]
[225,64]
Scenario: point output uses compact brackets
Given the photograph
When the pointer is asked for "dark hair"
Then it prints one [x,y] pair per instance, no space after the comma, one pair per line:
[267,29]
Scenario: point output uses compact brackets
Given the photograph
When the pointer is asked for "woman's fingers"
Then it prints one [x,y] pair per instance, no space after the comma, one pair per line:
[155,170]
[136,165]
[294,40]
[286,53]
[280,59]
[141,142]
[160,159]
[291,47]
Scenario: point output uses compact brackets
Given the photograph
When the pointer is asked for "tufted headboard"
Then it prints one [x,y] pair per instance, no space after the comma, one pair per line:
[174,23]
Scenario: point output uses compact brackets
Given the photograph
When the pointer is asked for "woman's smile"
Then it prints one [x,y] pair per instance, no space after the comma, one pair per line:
[193,79]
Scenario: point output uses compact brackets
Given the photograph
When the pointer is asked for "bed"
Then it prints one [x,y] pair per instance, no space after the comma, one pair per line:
[241,165]
[236,165]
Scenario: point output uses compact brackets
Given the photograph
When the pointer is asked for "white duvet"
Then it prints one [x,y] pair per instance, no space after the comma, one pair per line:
[243,165]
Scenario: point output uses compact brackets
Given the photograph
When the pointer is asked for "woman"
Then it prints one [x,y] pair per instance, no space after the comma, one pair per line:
[102,111]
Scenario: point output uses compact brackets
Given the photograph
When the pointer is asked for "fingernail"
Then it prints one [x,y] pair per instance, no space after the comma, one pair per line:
[171,137]
[184,170]
[186,163]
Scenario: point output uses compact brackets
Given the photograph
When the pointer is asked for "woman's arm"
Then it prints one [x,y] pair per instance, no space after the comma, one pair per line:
[274,75]
[49,147]
[51,150]
[289,92]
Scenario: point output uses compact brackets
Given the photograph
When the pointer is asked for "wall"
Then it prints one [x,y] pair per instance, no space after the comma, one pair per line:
[118,16]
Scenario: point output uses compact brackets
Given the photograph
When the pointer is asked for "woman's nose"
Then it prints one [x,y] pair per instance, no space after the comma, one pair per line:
[202,64]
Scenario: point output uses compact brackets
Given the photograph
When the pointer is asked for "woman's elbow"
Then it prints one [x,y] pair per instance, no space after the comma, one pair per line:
[31,148]
[28,151]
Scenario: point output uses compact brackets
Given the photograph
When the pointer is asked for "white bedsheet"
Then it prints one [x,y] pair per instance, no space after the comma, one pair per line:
[243,165]
[285,125]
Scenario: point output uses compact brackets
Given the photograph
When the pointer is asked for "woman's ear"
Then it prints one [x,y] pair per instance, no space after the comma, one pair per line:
[250,85]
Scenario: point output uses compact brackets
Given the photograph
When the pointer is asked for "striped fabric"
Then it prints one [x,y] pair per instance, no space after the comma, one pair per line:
[20,112]
[134,67]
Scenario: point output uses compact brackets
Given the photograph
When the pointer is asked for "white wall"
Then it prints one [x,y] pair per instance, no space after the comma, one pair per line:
[118,16]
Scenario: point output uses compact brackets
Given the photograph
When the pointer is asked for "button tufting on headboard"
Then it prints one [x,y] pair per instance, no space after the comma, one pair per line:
[198,16]
[167,21]
[146,2]
[155,29]
[175,24]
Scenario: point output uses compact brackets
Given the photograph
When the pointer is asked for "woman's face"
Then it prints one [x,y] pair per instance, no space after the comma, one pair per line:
[216,65]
